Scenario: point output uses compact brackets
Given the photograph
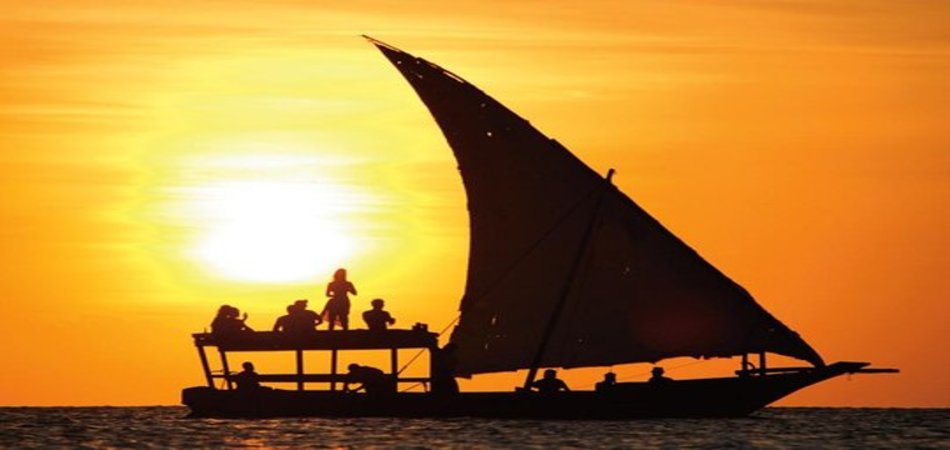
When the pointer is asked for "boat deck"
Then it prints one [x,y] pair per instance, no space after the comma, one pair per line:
[317,340]
[320,340]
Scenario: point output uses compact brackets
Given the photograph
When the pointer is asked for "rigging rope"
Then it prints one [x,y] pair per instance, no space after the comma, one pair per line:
[413,387]
[420,352]
[535,244]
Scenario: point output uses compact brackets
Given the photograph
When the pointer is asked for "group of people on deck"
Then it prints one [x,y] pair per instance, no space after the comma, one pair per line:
[299,319]
[657,378]
[550,383]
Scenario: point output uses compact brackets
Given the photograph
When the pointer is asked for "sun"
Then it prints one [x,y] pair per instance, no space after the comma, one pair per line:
[273,231]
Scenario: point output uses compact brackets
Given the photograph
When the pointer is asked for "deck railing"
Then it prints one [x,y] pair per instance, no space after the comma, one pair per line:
[321,340]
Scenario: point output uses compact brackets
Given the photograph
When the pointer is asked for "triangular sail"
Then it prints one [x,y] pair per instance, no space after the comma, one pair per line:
[640,294]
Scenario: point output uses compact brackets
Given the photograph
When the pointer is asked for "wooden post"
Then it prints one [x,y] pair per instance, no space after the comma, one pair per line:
[333,362]
[224,366]
[762,363]
[394,363]
[299,370]
[432,357]
[205,366]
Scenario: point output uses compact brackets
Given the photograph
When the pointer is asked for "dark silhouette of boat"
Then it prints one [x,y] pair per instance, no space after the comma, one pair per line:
[564,271]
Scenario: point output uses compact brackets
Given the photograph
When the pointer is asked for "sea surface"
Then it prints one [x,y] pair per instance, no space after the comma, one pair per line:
[778,428]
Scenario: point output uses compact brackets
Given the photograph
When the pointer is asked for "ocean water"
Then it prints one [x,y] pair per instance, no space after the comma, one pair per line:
[772,428]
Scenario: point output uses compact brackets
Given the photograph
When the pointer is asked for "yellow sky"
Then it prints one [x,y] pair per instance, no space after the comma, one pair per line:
[801,147]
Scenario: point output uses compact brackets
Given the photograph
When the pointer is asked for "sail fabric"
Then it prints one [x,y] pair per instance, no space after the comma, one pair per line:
[636,293]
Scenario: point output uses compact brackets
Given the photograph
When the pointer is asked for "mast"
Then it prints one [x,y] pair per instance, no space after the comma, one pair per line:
[562,299]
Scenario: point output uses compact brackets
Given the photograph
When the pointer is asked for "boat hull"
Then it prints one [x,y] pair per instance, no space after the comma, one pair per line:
[713,397]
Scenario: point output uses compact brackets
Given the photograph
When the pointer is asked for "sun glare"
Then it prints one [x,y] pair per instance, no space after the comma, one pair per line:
[273,231]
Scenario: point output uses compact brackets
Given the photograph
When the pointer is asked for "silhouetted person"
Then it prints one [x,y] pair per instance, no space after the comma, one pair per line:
[338,306]
[371,380]
[658,377]
[550,383]
[609,381]
[227,323]
[283,322]
[376,319]
[444,363]
[302,321]
[247,379]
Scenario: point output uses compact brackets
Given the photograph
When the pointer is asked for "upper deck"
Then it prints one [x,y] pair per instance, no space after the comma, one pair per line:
[262,341]
[319,340]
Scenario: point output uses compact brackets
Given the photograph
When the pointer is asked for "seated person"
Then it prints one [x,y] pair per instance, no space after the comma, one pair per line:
[227,322]
[299,320]
[658,377]
[610,379]
[376,319]
[550,383]
[283,322]
[247,379]
[371,380]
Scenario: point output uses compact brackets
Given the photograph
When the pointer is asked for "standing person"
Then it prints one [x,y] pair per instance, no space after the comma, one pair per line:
[338,306]
[377,319]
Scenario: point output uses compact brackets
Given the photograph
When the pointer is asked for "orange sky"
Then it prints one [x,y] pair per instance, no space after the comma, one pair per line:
[162,158]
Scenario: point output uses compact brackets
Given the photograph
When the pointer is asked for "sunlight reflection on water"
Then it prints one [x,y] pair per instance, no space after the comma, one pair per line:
[167,427]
